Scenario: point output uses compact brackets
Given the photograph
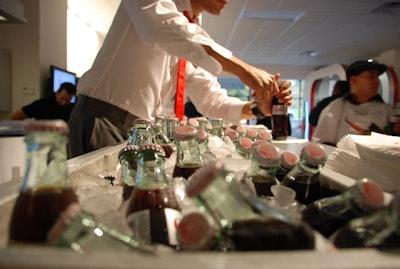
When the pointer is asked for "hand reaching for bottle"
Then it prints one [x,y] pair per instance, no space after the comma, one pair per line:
[284,95]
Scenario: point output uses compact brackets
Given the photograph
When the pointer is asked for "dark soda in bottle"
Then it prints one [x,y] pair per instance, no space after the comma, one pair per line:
[46,190]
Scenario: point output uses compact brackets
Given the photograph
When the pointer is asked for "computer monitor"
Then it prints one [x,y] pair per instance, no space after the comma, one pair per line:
[59,76]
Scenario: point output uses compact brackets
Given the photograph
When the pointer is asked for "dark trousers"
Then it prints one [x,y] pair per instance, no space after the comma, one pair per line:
[95,124]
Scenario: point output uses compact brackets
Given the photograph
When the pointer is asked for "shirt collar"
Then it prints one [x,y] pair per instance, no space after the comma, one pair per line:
[349,97]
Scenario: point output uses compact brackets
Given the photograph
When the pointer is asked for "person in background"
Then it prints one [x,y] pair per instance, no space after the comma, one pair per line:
[56,106]
[360,111]
[339,89]
[135,73]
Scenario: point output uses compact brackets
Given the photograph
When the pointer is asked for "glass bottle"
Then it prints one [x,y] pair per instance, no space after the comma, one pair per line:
[264,162]
[252,134]
[279,120]
[242,226]
[394,119]
[243,147]
[265,135]
[232,135]
[139,134]
[217,127]
[241,130]
[379,230]
[205,152]
[153,209]
[304,177]
[81,232]
[203,121]
[329,214]
[288,160]
[171,124]
[46,190]
[188,158]
[127,157]
[161,139]
[193,122]
[161,120]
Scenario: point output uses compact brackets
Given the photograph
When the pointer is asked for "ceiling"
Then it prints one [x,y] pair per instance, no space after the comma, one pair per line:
[287,32]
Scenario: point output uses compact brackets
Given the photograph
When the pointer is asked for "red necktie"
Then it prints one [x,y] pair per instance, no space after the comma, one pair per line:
[180,85]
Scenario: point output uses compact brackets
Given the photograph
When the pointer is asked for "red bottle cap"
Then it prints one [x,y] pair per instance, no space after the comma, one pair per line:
[252,134]
[196,231]
[313,154]
[265,153]
[153,147]
[232,134]
[265,135]
[141,121]
[368,194]
[193,122]
[202,136]
[183,133]
[289,159]
[62,223]
[244,144]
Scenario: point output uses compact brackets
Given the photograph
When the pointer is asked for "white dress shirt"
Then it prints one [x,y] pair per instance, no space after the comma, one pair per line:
[136,68]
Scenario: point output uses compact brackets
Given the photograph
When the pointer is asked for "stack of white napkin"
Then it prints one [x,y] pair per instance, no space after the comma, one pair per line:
[376,157]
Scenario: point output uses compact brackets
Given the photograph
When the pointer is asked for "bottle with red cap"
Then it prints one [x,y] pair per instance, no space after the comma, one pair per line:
[243,225]
[287,161]
[243,147]
[232,135]
[46,190]
[188,158]
[153,209]
[329,214]
[264,162]
[265,135]
[304,177]
[171,124]
[380,229]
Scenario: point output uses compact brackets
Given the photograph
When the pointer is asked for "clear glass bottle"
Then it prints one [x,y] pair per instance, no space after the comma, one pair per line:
[378,230]
[203,121]
[205,152]
[287,162]
[232,135]
[46,190]
[81,232]
[264,162]
[127,157]
[161,120]
[265,135]
[188,158]
[304,177]
[243,226]
[139,134]
[329,214]
[160,138]
[243,147]
[241,130]
[252,134]
[171,124]
[217,127]
[153,209]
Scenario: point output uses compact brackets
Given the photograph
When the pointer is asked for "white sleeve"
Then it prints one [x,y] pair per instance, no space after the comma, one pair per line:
[210,99]
[158,22]
[328,123]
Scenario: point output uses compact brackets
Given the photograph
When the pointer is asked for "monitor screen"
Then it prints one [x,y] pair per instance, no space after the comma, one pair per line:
[59,76]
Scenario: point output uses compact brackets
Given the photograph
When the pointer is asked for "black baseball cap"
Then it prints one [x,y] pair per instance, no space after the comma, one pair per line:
[360,66]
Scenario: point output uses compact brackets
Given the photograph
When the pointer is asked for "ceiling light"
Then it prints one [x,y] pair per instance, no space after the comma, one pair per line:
[290,15]
[309,53]
[12,11]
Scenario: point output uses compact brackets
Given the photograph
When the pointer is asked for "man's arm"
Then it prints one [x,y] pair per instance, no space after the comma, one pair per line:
[19,115]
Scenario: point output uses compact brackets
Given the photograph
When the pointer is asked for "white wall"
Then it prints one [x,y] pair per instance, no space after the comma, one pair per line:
[33,46]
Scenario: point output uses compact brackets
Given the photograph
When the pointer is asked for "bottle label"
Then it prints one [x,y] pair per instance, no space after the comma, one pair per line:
[140,224]
[279,110]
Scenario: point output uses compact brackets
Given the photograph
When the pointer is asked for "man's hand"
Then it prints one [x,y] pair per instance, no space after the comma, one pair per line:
[284,96]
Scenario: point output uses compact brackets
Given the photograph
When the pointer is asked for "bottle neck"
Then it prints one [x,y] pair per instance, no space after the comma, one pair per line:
[259,170]
[188,152]
[151,172]
[304,173]
[140,135]
[46,160]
